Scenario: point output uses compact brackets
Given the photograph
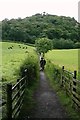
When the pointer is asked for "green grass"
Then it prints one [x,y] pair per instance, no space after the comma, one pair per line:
[12,59]
[67,58]
[29,101]
[65,100]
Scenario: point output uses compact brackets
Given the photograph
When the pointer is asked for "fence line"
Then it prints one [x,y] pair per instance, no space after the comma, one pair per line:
[71,85]
[15,97]
[15,94]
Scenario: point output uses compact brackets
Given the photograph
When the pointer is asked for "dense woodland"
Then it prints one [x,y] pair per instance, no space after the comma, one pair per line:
[63,31]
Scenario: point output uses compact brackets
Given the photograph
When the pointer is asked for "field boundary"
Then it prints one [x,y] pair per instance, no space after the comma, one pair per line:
[71,85]
[15,97]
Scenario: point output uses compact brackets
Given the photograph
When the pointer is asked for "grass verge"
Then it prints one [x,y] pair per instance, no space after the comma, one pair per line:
[63,97]
[32,77]
[29,102]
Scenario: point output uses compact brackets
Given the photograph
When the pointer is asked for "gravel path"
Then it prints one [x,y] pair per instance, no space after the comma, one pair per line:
[47,102]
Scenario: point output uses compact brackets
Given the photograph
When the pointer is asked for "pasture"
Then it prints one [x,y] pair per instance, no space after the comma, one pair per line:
[67,58]
[15,58]
[12,56]
[14,53]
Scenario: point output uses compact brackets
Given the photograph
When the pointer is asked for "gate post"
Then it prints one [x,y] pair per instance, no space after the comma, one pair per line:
[75,74]
[9,101]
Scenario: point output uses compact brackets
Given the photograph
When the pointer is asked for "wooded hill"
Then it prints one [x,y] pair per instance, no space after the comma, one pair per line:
[59,29]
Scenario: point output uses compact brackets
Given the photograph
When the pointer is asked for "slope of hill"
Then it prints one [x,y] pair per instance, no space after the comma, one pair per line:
[41,25]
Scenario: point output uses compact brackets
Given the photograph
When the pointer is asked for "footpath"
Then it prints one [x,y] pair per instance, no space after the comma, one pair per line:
[47,102]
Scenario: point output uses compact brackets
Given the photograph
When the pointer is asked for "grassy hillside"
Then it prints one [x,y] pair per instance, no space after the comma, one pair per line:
[68,58]
[12,58]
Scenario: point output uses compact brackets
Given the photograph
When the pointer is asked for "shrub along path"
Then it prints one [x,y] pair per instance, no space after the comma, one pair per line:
[47,102]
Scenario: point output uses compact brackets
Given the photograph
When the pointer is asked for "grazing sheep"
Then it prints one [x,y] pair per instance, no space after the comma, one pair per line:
[9,47]
[26,51]
[19,46]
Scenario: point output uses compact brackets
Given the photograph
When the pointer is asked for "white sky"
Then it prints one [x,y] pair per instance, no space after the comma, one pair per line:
[23,8]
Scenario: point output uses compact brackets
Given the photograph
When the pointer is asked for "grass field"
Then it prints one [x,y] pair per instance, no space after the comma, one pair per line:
[67,58]
[70,59]
[12,59]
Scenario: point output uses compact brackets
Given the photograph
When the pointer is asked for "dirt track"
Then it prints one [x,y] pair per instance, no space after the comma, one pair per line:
[47,102]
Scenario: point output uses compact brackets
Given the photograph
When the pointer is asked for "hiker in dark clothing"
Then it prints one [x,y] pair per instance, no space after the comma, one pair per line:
[42,63]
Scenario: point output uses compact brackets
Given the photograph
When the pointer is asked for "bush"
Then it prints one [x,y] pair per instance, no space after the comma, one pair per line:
[53,71]
[32,66]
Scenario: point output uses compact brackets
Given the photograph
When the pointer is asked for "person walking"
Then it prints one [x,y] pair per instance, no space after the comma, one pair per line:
[42,63]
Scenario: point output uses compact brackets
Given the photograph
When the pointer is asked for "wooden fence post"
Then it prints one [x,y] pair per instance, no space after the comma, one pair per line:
[74,87]
[75,74]
[62,67]
[26,81]
[62,75]
[18,89]
[9,101]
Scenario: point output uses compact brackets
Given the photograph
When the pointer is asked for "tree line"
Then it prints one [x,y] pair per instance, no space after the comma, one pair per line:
[63,31]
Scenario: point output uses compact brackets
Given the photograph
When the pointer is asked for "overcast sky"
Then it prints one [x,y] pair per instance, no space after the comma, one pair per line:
[23,8]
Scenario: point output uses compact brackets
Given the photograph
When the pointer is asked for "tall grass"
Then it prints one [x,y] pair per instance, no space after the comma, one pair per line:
[54,79]
[56,59]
